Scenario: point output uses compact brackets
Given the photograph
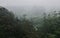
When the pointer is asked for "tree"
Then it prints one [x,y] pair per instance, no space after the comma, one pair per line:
[9,26]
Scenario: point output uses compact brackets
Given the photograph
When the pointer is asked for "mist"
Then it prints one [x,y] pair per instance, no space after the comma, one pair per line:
[30,7]
[29,18]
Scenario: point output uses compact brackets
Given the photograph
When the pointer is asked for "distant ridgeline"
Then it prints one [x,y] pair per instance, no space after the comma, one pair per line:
[2,10]
[5,12]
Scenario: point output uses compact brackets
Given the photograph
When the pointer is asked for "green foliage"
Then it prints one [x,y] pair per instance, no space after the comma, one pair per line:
[51,26]
[12,27]
[48,26]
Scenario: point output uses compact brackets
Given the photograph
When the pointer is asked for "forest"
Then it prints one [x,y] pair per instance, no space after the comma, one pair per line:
[47,26]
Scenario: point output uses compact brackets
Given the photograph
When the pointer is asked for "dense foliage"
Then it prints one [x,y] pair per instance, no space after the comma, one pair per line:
[46,27]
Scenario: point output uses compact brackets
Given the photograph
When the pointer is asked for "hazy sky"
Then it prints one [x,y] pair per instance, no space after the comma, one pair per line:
[46,3]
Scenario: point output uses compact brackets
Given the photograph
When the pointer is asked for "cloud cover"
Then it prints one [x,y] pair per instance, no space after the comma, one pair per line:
[46,3]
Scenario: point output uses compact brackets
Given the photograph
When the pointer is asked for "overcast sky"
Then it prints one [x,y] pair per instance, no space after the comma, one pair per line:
[49,3]
[44,3]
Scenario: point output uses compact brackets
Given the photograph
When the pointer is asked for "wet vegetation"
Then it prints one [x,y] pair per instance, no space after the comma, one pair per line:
[47,26]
